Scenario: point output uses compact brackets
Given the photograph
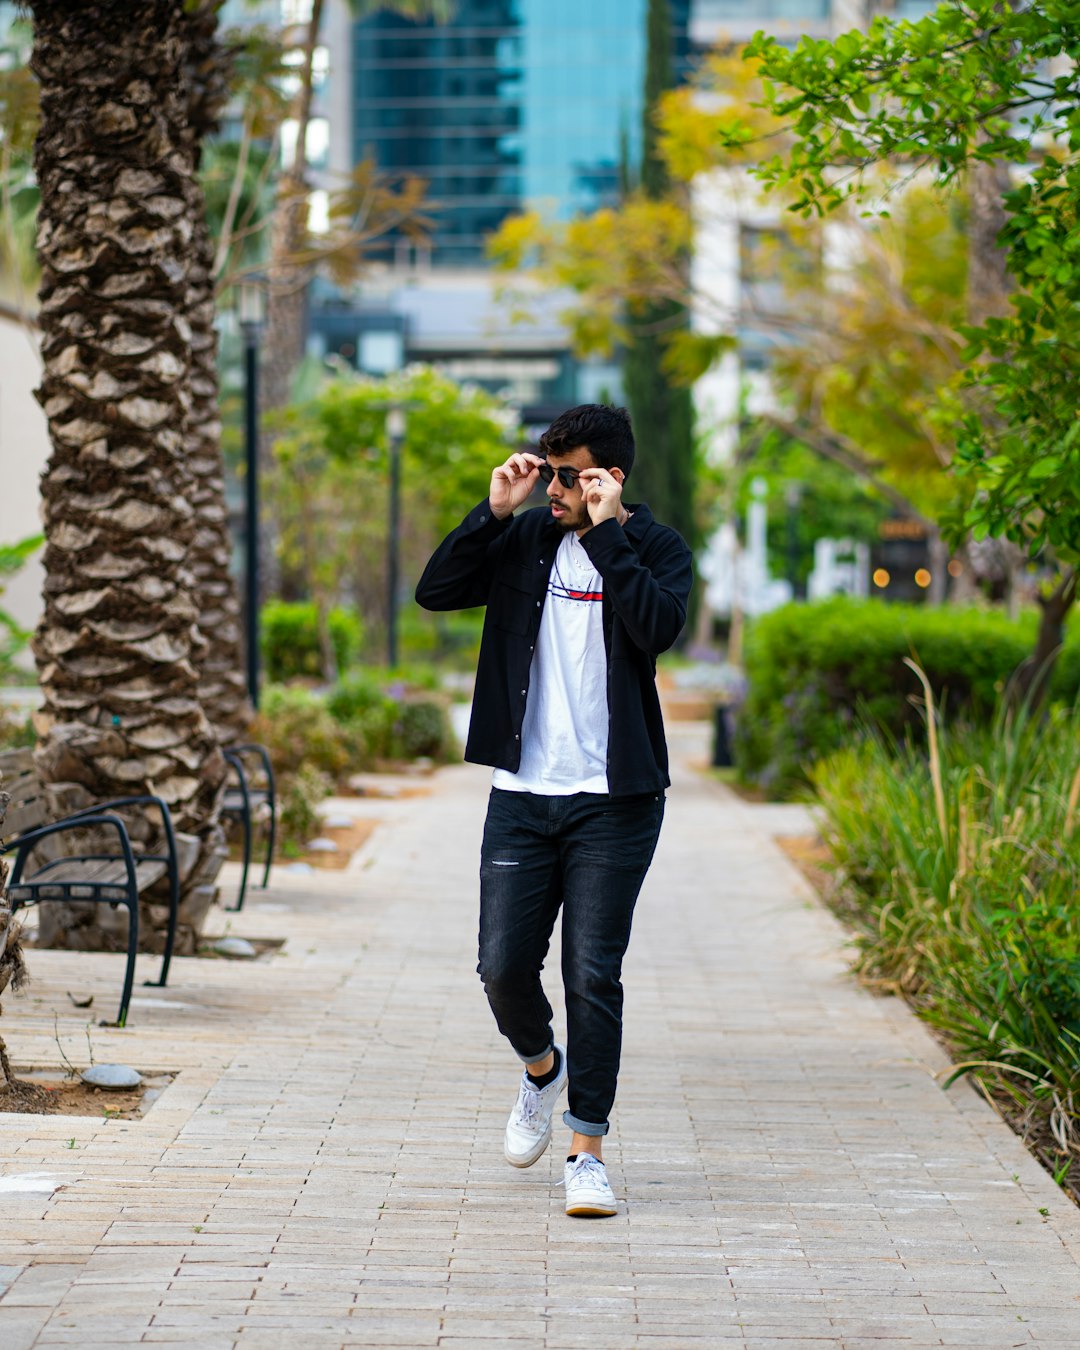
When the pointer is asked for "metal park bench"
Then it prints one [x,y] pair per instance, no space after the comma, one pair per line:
[254,793]
[86,856]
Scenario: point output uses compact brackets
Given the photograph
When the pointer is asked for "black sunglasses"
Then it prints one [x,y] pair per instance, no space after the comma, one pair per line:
[567,477]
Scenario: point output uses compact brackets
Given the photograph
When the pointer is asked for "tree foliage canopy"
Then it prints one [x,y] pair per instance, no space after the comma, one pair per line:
[330,485]
[980,82]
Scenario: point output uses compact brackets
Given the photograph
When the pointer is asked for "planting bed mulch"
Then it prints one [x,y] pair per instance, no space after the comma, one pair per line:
[811,856]
[49,1092]
[347,840]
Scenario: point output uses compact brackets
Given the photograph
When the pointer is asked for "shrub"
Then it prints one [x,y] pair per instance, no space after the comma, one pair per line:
[961,871]
[301,795]
[450,639]
[816,672]
[289,638]
[355,694]
[16,730]
[298,730]
[356,726]
[422,730]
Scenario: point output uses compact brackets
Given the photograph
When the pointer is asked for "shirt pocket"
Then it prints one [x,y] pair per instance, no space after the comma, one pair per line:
[511,603]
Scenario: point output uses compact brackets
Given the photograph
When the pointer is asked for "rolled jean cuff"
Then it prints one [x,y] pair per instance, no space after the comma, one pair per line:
[535,1059]
[584,1126]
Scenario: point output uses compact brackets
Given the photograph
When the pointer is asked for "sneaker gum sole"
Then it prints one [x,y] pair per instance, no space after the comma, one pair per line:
[585,1210]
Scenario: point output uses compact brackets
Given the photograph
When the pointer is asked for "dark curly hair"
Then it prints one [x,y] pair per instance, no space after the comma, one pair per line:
[604,431]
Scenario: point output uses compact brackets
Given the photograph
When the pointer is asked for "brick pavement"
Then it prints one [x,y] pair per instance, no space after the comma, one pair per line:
[326,1168]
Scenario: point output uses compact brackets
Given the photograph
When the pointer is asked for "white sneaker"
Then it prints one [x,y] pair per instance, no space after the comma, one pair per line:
[528,1131]
[587,1189]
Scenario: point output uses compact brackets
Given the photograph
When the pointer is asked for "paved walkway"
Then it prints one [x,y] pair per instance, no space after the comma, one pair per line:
[326,1169]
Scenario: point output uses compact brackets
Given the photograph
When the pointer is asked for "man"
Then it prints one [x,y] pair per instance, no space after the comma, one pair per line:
[581,596]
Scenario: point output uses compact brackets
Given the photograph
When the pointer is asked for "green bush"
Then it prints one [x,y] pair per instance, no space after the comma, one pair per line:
[816,672]
[289,639]
[356,726]
[298,730]
[961,871]
[422,730]
[299,816]
[451,639]
[354,694]
[16,730]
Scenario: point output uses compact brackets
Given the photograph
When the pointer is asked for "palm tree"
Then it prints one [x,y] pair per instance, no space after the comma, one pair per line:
[118,645]
[222,691]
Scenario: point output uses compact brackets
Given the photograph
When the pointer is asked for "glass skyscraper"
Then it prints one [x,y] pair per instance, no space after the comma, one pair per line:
[513,104]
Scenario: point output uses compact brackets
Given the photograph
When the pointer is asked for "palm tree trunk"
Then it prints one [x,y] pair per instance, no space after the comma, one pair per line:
[118,644]
[222,690]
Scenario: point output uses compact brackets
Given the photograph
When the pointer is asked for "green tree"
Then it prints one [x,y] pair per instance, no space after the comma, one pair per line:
[816,498]
[860,357]
[662,411]
[330,485]
[960,96]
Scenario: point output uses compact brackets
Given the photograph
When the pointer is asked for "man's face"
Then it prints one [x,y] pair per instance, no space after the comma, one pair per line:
[568,508]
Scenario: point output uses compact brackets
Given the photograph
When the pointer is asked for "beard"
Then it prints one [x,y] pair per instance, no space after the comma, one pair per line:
[574,520]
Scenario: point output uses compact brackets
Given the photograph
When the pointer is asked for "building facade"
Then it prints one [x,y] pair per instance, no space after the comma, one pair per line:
[512,105]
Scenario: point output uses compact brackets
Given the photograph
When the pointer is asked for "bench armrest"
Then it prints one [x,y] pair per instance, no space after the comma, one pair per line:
[138,800]
[261,752]
[25,842]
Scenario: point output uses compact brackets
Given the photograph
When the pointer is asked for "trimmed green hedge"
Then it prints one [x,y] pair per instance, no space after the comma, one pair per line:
[816,672]
[289,638]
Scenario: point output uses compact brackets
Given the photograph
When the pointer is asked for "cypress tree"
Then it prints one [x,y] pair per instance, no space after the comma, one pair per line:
[662,412]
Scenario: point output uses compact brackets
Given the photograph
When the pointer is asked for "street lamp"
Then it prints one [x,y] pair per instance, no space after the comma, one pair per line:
[395,433]
[251,312]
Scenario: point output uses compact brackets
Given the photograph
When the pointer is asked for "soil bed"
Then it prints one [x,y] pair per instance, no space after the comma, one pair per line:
[48,1092]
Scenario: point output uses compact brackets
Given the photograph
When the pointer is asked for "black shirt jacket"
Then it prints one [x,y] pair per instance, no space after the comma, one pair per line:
[504,564]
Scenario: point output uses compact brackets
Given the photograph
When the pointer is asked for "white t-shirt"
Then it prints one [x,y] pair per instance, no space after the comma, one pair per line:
[564,737]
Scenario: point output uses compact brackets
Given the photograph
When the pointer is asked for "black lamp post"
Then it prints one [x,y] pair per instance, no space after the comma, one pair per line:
[250,307]
[395,433]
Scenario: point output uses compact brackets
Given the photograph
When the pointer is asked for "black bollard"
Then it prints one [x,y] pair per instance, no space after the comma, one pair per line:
[721,755]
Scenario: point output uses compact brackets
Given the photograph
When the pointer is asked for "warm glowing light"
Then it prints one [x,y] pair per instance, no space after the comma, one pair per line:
[956,568]
[922,578]
[881,577]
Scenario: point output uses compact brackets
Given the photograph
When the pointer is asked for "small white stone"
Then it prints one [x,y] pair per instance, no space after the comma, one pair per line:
[236,948]
[114,1076]
[300,869]
[321,845]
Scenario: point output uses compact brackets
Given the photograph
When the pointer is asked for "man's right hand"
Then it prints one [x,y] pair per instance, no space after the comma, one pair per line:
[512,482]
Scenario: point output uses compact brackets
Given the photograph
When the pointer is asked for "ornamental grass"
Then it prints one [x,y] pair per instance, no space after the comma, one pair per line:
[958,861]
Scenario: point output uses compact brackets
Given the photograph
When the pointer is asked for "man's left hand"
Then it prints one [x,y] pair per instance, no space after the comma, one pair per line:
[603,496]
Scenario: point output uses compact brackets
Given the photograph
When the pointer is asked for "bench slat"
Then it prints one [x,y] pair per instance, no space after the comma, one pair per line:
[23,816]
[100,870]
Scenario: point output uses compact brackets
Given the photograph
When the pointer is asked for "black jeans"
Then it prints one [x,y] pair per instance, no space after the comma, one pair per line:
[587,853]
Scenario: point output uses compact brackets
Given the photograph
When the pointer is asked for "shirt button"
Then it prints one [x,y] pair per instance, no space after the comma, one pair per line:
[523,693]
[538,604]
[517,738]
[482,519]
